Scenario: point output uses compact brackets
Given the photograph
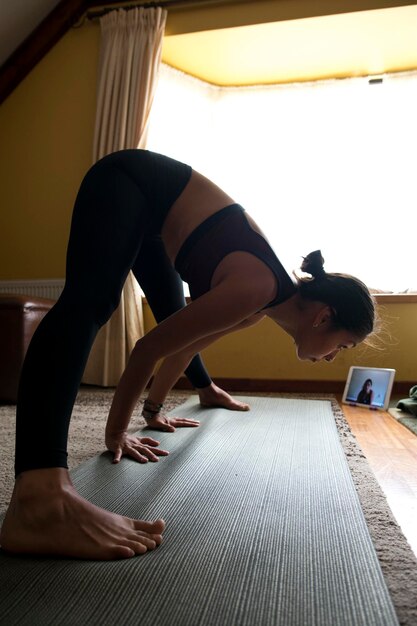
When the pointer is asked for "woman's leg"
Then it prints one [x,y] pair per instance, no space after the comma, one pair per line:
[46,515]
[163,288]
[106,233]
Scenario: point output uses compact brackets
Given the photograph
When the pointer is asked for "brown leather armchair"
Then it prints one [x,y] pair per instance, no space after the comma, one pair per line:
[19,318]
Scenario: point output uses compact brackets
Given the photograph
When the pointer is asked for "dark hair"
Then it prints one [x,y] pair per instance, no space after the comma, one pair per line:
[349,298]
[368,380]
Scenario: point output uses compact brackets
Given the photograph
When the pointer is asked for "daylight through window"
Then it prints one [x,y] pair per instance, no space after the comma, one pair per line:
[327,165]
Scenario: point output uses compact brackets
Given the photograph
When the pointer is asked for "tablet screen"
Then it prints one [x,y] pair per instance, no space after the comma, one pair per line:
[369,387]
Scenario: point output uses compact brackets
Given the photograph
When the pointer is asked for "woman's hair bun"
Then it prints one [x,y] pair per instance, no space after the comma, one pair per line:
[313,264]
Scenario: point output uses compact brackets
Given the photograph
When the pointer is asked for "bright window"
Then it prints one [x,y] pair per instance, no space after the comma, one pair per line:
[329,164]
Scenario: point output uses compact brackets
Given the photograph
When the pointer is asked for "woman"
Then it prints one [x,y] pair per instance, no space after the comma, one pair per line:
[366,394]
[127,201]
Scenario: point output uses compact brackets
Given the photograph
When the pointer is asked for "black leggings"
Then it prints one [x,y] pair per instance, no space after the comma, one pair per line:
[109,236]
[163,288]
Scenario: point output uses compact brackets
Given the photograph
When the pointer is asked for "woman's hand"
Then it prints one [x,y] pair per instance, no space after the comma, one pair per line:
[142,449]
[169,424]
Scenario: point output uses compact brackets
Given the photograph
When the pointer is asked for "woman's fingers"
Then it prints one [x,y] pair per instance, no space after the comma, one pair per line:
[148,446]
[169,424]
[118,454]
[167,427]
[160,423]
[183,422]
[137,456]
[149,441]
[141,449]
[160,452]
[144,449]
[142,452]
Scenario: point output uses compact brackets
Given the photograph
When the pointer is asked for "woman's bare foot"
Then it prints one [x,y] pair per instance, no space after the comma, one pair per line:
[214,396]
[47,516]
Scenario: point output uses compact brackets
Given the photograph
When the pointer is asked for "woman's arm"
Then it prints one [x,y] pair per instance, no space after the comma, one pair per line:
[217,311]
[173,366]
[168,374]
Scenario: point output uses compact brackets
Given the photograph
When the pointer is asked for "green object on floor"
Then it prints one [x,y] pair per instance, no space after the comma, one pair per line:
[409,405]
[409,422]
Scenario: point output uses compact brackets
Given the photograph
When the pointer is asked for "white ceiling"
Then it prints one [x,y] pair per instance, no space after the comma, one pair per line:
[18,18]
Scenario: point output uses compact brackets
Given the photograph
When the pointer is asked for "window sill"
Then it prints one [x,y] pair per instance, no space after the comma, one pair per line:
[397,298]
[381,298]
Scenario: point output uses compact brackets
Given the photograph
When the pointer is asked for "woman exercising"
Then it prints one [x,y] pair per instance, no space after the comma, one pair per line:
[137,210]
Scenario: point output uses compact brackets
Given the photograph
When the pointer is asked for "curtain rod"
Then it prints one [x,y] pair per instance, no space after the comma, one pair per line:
[93,14]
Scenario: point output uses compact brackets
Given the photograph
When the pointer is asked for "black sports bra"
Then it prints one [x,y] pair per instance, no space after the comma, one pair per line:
[224,232]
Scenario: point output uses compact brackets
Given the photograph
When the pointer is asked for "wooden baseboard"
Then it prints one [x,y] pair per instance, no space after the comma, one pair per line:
[290,386]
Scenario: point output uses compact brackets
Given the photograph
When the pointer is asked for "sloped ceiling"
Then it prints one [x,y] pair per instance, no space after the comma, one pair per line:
[18,18]
[263,48]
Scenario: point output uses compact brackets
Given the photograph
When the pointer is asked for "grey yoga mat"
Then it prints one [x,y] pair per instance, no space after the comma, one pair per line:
[264,528]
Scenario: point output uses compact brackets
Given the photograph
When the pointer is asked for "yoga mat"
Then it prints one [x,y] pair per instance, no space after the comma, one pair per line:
[264,527]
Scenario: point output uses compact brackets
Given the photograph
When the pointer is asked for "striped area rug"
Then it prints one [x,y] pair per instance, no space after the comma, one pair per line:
[264,527]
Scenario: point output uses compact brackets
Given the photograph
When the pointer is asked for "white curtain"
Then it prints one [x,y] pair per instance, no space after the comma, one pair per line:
[131,46]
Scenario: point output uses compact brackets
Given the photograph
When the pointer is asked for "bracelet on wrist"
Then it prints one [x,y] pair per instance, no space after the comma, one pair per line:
[150,409]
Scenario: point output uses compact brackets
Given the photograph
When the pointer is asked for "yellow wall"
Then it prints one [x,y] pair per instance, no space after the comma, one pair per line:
[46,131]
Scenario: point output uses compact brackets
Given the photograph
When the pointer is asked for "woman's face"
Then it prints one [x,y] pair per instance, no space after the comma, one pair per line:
[320,341]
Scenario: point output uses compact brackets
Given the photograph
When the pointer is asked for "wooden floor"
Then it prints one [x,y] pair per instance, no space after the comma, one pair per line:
[391,450]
